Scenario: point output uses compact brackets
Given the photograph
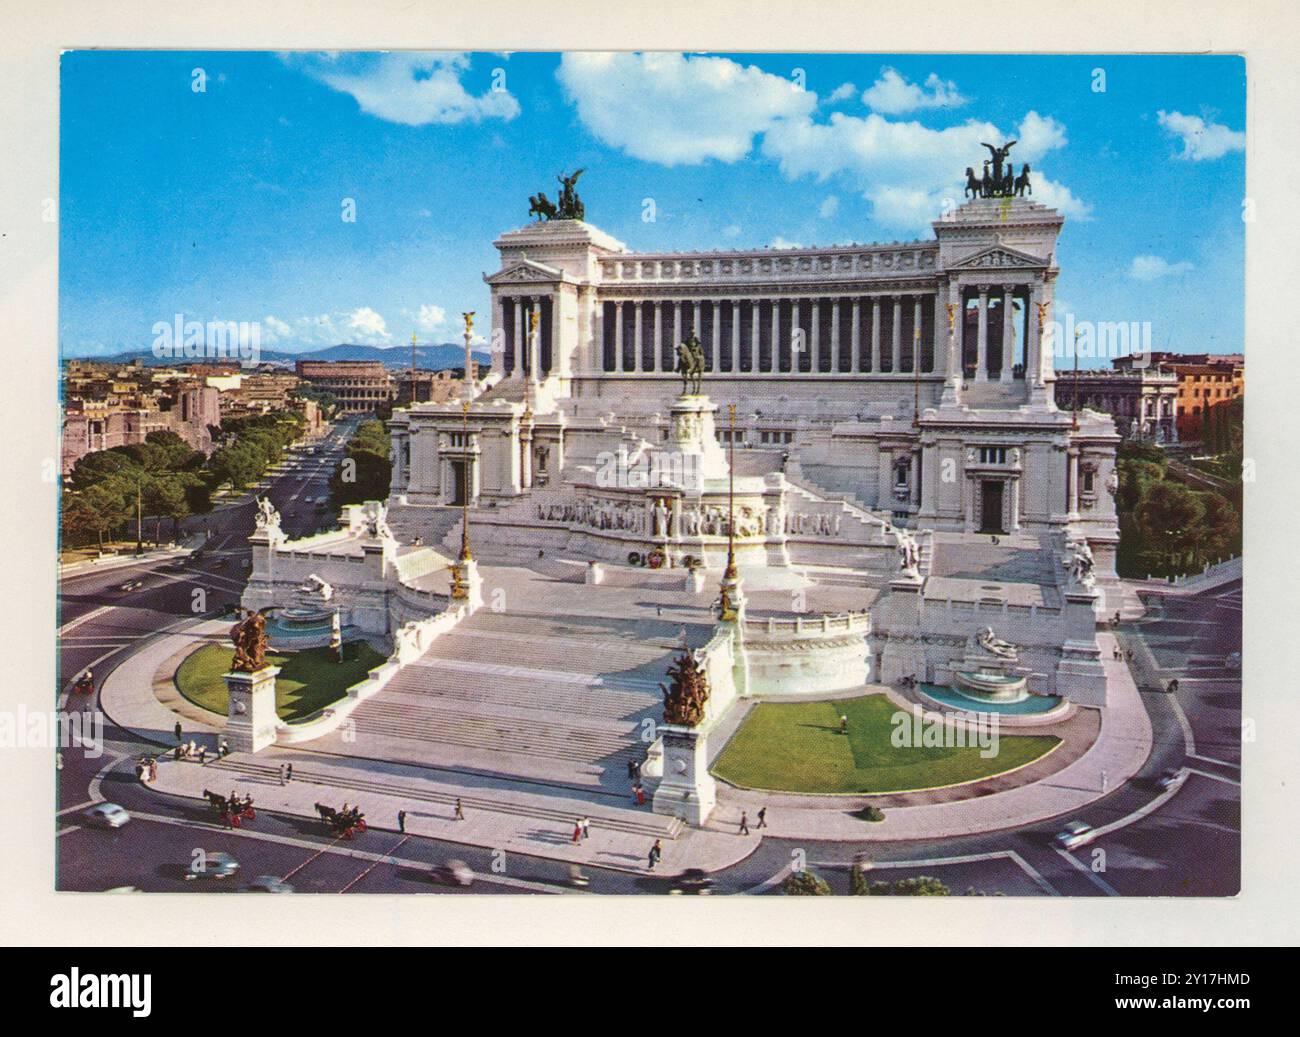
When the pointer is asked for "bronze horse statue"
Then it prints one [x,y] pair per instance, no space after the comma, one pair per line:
[541,206]
[690,365]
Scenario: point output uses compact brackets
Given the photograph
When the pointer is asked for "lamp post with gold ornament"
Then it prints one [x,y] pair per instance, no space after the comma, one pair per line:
[951,394]
[469,334]
[732,601]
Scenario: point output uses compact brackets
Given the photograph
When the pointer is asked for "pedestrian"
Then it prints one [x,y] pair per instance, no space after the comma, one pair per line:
[586,827]
[762,817]
[153,769]
[744,823]
[177,730]
[659,610]
[203,755]
[460,814]
[656,851]
[577,830]
[288,774]
[844,724]
[281,774]
[401,821]
[631,769]
[223,748]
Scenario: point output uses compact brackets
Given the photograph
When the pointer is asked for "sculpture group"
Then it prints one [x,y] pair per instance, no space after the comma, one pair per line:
[570,206]
[249,638]
[999,179]
[684,701]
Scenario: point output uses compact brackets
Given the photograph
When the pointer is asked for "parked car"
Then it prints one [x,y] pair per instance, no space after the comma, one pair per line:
[453,873]
[268,884]
[214,865]
[1074,835]
[106,815]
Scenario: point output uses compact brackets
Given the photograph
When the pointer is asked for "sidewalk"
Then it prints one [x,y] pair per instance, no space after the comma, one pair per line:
[507,818]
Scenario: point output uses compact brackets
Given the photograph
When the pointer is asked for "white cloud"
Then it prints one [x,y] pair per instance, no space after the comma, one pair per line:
[780,242]
[842,93]
[676,109]
[829,207]
[893,94]
[369,324]
[1152,268]
[732,230]
[430,317]
[408,87]
[1201,140]
[907,170]
[274,329]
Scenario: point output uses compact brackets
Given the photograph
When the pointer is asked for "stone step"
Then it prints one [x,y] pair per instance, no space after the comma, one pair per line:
[550,741]
[525,691]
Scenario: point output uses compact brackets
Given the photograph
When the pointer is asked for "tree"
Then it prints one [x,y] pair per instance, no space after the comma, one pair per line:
[920,886]
[806,884]
[1169,517]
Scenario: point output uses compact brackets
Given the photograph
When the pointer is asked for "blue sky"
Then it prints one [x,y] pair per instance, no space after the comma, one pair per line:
[226,202]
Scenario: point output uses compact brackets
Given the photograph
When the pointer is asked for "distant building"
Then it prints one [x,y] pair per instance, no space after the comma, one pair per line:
[360,386]
[1143,401]
[430,386]
[100,422]
[1207,382]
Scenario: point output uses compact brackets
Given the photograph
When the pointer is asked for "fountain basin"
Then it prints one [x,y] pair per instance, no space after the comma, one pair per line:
[987,685]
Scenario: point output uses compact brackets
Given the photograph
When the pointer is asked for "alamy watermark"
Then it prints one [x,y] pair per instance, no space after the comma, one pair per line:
[41,729]
[216,340]
[916,729]
[1107,339]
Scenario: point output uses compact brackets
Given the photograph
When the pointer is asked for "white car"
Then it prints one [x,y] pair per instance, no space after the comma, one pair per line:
[216,865]
[1074,835]
[453,873]
[106,815]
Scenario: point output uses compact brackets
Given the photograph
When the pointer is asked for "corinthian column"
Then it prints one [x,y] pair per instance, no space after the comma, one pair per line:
[982,337]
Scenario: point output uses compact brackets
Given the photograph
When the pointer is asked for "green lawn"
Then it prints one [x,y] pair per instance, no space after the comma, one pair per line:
[308,681]
[797,747]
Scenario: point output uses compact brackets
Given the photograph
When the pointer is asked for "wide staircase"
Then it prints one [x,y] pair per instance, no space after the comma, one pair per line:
[547,698]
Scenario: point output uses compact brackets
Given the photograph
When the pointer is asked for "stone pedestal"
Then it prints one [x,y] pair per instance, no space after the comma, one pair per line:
[904,651]
[251,718]
[471,584]
[696,438]
[686,790]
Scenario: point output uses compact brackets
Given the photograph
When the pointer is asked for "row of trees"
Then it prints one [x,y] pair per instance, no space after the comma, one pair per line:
[808,883]
[116,491]
[365,471]
[1166,527]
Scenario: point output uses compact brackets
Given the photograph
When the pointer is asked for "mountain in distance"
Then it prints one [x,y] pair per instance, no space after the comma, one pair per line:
[428,357]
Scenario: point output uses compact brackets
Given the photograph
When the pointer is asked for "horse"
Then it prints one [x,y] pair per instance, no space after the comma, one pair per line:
[215,800]
[1022,182]
[327,814]
[690,364]
[541,206]
[973,185]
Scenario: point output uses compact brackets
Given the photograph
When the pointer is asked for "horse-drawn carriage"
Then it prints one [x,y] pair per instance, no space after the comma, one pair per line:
[231,811]
[344,823]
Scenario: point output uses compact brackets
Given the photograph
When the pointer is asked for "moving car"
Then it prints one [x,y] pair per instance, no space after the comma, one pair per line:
[694,881]
[1168,777]
[268,884]
[1074,835]
[214,865]
[130,585]
[453,873]
[106,815]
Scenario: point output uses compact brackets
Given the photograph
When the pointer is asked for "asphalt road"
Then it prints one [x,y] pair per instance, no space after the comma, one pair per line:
[1188,845]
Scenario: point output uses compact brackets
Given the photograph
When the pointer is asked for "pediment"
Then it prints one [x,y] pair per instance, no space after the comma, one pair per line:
[998,257]
[526,271]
